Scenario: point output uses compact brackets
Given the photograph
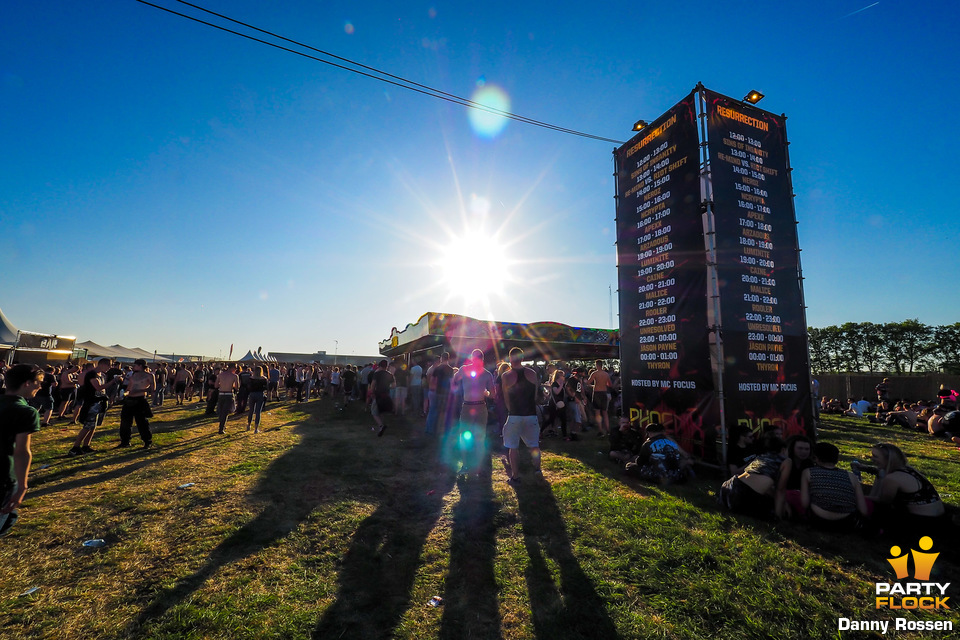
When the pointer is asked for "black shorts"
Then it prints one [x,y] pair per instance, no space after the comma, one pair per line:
[41,403]
[273,385]
[180,387]
[601,401]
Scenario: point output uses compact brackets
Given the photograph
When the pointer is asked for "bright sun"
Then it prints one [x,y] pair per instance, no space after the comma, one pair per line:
[475,267]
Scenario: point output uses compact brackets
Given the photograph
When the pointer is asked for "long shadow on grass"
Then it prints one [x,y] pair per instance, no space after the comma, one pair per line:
[49,483]
[570,608]
[381,564]
[379,568]
[471,608]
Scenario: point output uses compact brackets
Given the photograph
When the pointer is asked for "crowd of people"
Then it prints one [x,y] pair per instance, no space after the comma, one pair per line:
[465,403]
[462,405]
[939,418]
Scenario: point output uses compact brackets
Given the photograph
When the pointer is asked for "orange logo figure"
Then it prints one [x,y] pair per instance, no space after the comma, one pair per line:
[899,564]
[923,562]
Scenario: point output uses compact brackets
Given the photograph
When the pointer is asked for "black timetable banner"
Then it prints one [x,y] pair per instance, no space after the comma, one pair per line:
[662,278]
[766,372]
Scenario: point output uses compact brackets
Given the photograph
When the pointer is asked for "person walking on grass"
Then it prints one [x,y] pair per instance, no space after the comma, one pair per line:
[136,406]
[43,401]
[477,385]
[181,380]
[227,383]
[94,407]
[258,387]
[415,388]
[18,421]
[520,386]
[599,382]
[273,388]
[67,389]
[380,382]
[441,374]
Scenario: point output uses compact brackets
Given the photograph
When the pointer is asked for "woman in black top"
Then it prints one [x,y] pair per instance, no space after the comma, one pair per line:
[556,403]
[799,458]
[906,502]
[257,386]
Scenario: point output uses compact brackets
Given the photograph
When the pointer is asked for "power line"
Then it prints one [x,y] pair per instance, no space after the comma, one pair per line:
[384,76]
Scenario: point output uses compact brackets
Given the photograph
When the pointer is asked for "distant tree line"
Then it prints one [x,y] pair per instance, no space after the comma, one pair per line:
[896,347]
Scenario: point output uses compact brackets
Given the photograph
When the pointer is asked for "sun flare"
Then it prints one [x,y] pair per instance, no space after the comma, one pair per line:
[475,267]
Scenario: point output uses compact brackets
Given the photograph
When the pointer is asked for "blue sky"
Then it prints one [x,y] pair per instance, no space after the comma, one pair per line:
[173,187]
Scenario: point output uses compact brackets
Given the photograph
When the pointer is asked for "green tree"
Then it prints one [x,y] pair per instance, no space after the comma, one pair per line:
[819,356]
[833,342]
[872,336]
[851,346]
[947,346]
[908,343]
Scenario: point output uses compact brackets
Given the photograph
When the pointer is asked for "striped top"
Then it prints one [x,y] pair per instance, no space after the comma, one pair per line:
[831,490]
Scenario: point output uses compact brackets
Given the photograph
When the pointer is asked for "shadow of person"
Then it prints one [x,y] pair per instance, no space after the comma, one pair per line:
[57,482]
[570,607]
[380,566]
[471,608]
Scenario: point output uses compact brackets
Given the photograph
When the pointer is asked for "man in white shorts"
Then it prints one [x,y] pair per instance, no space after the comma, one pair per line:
[520,392]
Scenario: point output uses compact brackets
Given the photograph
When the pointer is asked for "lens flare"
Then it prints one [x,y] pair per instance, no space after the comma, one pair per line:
[484,123]
[474,267]
[348,28]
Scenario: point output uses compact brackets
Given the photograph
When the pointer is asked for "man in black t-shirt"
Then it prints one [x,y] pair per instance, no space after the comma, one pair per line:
[380,382]
[442,375]
[18,421]
[741,449]
[626,441]
[349,380]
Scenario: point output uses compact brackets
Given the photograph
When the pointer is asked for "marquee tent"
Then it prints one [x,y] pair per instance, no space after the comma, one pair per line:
[118,352]
[256,356]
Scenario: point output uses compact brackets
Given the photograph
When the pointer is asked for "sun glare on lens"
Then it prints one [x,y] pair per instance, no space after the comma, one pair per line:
[484,123]
[475,267]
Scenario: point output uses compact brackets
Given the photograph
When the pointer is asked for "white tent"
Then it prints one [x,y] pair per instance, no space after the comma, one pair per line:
[118,352]
[8,332]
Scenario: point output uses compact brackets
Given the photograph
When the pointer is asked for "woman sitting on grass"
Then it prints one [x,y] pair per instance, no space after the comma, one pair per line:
[832,498]
[905,500]
[799,450]
[752,492]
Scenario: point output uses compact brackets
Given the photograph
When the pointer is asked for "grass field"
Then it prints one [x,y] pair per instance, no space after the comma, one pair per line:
[317,528]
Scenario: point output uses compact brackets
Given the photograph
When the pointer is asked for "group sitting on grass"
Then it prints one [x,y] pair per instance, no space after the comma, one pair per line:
[801,481]
[939,418]
[794,480]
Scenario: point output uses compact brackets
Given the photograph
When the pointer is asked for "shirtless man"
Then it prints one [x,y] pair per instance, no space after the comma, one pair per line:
[135,405]
[476,384]
[520,387]
[67,388]
[227,383]
[181,380]
[600,380]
